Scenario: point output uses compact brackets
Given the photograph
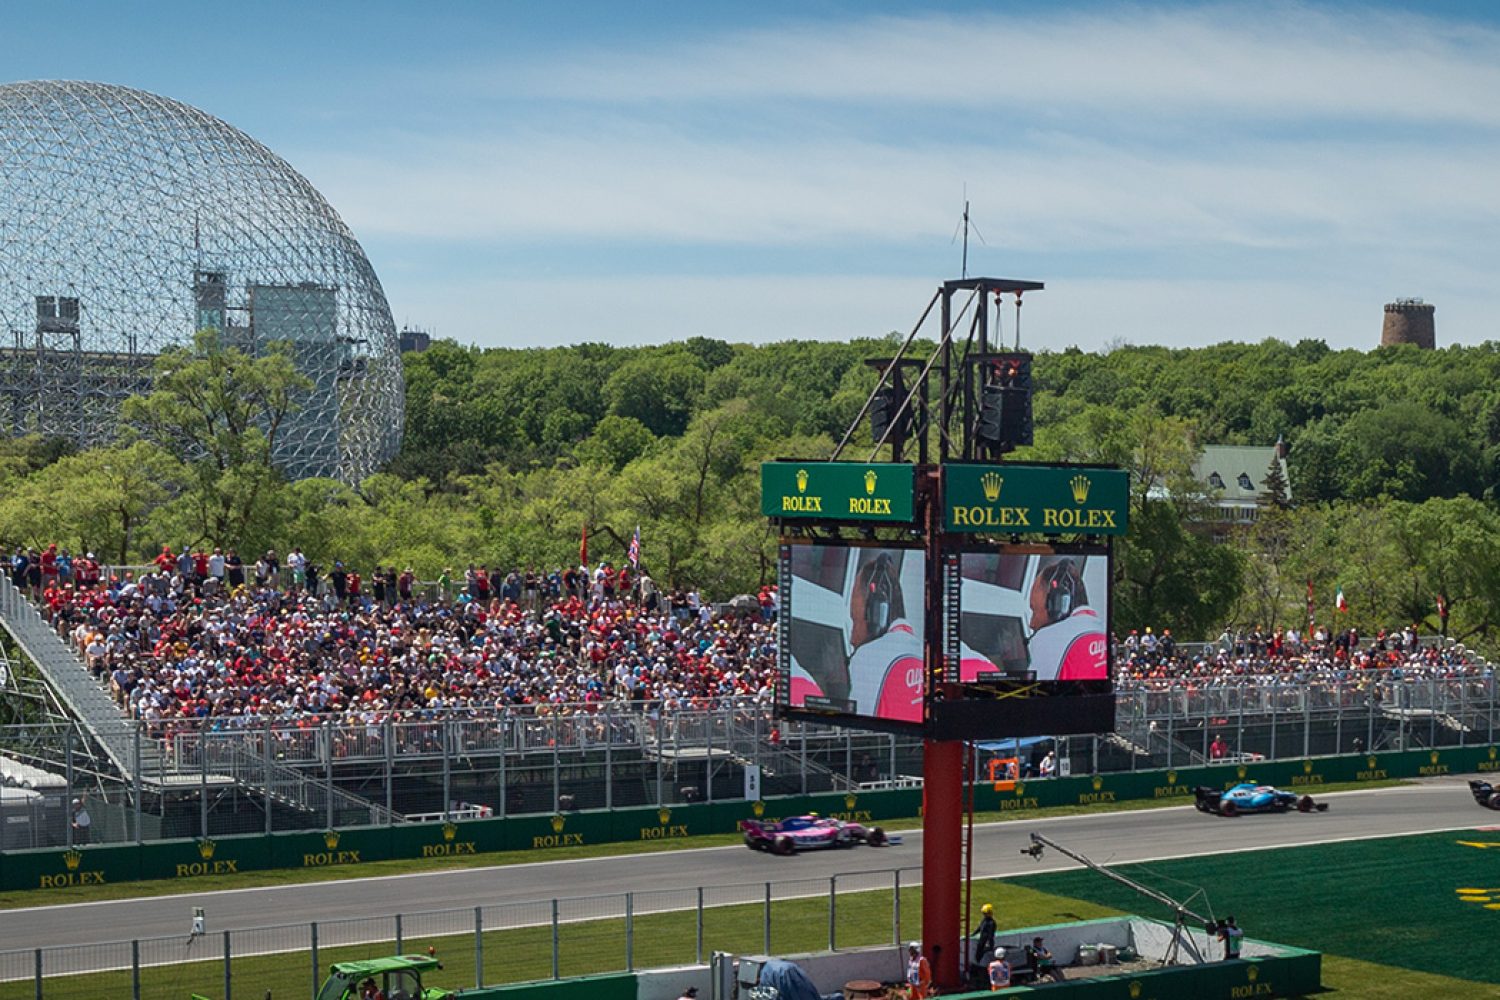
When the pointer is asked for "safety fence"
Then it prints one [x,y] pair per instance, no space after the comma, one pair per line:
[488,945]
[196,863]
[215,779]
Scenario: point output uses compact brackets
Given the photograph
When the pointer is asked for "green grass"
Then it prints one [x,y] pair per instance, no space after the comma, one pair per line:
[585,947]
[407,866]
[1391,903]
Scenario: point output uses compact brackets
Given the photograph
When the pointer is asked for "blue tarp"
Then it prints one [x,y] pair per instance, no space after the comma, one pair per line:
[789,979]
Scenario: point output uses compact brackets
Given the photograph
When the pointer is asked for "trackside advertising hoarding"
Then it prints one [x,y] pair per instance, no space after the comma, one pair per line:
[837,491]
[1036,499]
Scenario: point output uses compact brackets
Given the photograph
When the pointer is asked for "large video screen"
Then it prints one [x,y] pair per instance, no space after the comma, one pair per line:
[1026,644]
[852,633]
[1033,616]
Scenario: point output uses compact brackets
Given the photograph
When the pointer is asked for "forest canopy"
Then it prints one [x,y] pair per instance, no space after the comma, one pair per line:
[1394,468]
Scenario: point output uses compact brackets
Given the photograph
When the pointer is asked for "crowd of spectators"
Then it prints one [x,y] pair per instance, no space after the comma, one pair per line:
[1148,658]
[202,636]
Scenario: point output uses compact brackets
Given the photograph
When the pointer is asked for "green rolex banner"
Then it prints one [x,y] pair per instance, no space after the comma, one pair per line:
[1036,499]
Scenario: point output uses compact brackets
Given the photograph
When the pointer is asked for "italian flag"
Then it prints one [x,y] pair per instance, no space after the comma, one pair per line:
[1339,602]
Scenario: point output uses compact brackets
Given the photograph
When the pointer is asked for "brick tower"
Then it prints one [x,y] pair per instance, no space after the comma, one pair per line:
[1408,321]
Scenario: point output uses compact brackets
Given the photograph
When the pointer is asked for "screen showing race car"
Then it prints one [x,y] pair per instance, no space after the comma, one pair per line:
[1033,616]
[851,631]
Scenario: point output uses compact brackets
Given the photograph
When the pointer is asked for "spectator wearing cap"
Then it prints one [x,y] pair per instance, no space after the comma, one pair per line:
[82,823]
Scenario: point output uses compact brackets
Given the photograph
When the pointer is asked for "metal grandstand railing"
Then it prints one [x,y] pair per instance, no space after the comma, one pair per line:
[66,675]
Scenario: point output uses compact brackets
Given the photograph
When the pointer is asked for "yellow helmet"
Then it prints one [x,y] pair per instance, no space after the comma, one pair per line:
[987,909]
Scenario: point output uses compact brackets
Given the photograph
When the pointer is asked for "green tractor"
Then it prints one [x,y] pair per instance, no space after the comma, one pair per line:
[396,978]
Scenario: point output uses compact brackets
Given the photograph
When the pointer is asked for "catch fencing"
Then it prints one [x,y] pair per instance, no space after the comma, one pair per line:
[210,780]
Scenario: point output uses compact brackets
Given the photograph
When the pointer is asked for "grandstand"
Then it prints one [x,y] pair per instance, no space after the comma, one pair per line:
[652,740]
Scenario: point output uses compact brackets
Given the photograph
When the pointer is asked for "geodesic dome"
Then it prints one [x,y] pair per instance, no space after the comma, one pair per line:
[129,221]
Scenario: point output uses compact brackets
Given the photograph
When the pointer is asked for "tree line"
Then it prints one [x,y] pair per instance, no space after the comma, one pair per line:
[508,453]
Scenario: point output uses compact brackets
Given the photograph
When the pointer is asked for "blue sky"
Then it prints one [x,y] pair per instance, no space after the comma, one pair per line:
[524,174]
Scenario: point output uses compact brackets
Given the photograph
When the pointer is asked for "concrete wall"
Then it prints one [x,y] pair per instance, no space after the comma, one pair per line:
[829,971]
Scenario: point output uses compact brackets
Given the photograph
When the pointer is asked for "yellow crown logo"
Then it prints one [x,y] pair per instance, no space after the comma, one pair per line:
[1020,789]
[72,859]
[759,808]
[1080,486]
[1171,777]
[1135,990]
[1371,761]
[801,480]
[557,824]
[450,830]
[849,801]
[1241,771]
[1433,756]
[870,481]
[663,815]
[206,849]
[1098,782]
[1252,973]
[1492,753]
[331,839]
[1307,767]
[992,481]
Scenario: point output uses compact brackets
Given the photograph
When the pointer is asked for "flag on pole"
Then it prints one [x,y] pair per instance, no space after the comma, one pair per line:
[1339,602]
[583,546]
[1442,607]
[1310,616]
[635,548]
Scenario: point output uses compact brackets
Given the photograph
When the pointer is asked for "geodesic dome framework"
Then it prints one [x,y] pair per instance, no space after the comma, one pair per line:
[127,222]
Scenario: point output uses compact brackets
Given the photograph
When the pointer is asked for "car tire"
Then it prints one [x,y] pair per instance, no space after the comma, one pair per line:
[783,845]
[1228,808]
[876,836]
[1494,802]
[1305,804]
[753,843]
[1203,806]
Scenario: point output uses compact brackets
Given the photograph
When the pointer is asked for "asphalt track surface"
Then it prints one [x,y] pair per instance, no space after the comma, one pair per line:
[731,874]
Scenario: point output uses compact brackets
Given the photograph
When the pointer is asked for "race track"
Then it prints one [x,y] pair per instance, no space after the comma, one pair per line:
[740,874]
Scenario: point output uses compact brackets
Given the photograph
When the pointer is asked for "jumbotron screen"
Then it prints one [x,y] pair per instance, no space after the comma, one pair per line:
[1026,643]
[1033,616]
[851,632]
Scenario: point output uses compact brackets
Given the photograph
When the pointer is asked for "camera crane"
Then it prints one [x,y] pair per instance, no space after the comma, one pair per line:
[1180,912]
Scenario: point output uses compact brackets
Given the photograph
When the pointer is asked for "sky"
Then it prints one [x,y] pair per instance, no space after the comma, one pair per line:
[525,174]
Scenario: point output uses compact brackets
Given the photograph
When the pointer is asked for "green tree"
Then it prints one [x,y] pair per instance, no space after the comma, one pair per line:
[93,500]
[221,411]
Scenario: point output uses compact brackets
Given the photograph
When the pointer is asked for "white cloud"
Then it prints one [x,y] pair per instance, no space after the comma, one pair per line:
[1280,59]
[1329,158]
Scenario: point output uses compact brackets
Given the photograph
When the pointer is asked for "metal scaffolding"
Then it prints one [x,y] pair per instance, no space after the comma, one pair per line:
[129,221]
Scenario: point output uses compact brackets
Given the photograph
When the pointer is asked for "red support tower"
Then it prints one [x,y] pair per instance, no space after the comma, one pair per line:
[942,857]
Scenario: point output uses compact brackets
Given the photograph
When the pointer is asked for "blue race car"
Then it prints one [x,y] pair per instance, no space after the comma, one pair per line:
[1248,797]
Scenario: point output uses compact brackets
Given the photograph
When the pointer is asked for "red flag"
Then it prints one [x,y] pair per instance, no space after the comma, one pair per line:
[1310,615]
[583,546]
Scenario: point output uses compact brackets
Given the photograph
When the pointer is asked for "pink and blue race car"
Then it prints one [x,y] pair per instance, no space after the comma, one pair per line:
[810,833]
[1248,797]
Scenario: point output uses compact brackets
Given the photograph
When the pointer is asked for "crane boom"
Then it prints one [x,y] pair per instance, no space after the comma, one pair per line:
[1038,842]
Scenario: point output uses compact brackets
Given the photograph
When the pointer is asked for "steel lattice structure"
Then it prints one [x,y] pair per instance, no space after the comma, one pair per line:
[127,222]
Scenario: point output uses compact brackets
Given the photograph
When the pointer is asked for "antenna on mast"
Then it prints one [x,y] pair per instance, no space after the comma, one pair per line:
[964,225]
